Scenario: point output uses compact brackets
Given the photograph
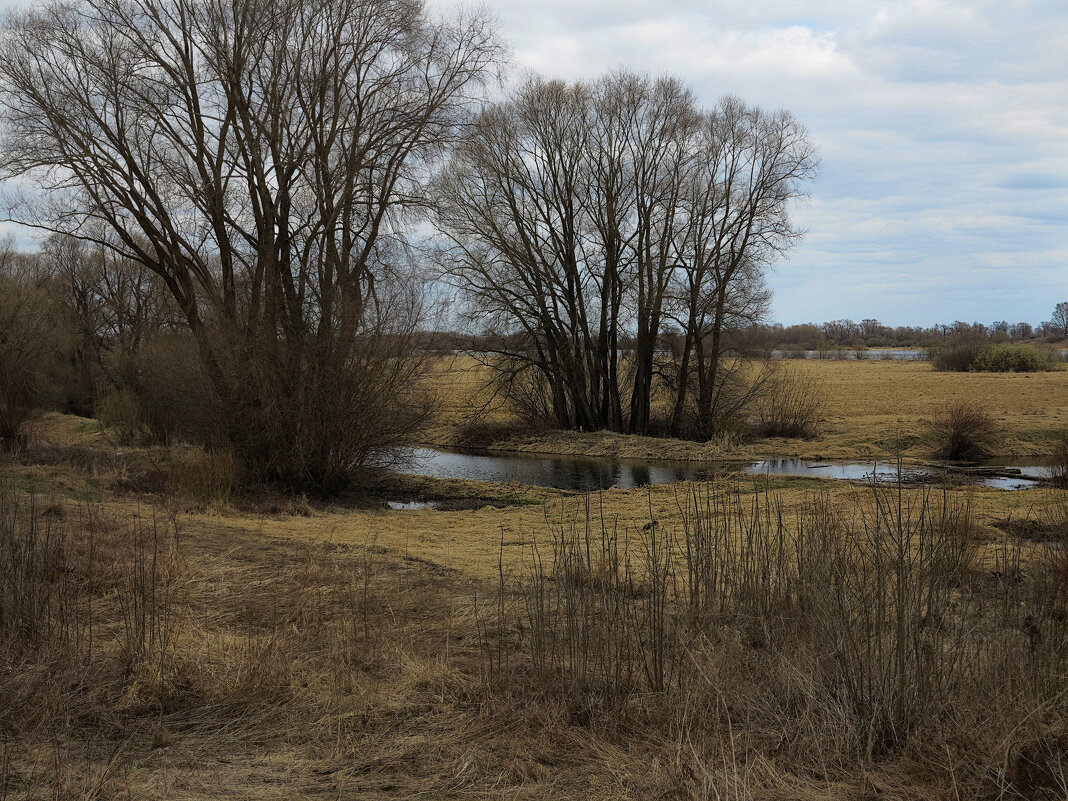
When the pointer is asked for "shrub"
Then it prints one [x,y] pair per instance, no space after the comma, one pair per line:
[24,349]
[1013,359]
[119,410]
[742,387]
[955,358]
[203,476]
[172,392]
[792,406]
[962,428]
[524,389]
[998,358]
[1058,471]
[14,409]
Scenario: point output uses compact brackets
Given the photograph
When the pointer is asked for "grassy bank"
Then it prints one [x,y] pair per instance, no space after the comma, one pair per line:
[872,409]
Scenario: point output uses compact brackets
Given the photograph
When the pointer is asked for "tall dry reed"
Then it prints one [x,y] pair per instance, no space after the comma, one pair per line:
[829,632]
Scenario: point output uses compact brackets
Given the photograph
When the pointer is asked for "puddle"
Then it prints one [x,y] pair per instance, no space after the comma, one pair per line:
[413,504]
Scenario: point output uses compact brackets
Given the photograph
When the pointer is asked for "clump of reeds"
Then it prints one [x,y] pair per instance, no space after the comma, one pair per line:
[85,622]
[1058,470]
[792,405]
[962,428]
[870,629]
[116,642]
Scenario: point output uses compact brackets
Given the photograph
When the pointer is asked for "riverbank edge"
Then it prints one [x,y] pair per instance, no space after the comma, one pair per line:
[611,445]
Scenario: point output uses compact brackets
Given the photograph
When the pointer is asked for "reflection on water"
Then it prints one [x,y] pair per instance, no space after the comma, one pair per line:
[1029,472]
[856,471]
[589,474]
[563,472]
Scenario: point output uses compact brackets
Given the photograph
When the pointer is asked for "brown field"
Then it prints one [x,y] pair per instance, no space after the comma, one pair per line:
[872,407]
[255,647]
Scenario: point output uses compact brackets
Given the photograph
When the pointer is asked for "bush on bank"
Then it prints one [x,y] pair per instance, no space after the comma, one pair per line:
[1001,358]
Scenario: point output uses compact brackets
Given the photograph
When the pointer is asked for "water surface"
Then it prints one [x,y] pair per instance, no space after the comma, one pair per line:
[582,473]
[589,474]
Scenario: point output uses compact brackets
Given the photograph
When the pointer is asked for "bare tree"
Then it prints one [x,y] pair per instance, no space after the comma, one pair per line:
[1021,331]
[113,305]
[702,407]
[259,157]
[1060,317]
[752,165]
[509,202]
[661,119]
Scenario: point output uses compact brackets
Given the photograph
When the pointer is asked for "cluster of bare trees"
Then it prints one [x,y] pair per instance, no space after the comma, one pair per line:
[259,158]
[22,318]
[234,182]
[101,335]
[112,309]
[584,215]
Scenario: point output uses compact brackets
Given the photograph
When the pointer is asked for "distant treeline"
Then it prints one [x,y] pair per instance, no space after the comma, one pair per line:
[872,333]
[847,334]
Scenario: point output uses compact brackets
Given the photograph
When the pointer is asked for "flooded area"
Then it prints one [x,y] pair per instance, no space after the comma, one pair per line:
[868,354]
[589,474]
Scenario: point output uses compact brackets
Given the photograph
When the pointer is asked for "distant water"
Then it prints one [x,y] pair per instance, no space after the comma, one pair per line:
[872,354]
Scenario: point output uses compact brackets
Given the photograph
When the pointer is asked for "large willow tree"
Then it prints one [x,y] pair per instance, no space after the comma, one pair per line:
[259,155]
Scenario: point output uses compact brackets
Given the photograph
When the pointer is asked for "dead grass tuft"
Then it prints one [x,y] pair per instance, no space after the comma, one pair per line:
[792,406]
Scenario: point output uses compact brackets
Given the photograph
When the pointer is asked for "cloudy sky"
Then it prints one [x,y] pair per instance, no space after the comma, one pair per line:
[942,127]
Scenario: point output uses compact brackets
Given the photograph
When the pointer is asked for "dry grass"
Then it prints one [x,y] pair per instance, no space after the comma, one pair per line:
[866,400]
[212,662]
[833,644]
[338,653]
[461,388]
[304,668]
